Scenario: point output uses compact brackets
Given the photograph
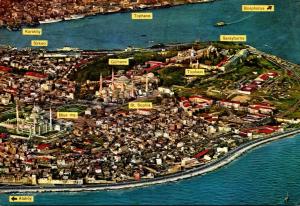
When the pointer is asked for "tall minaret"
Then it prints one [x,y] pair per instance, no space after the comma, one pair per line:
[17,115]
[147,85]
[112,80]
[132,89]
[100,85]
[34,125]
[122,87]
[112,75]
[50,123]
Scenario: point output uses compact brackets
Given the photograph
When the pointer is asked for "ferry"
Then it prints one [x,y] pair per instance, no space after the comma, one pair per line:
[48,21]
[219,24]
[143,6]
[286,199]
[116,9]
[67,49]
[73,17]
[13,28]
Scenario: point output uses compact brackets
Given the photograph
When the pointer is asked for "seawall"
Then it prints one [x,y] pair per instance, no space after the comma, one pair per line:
[229,157]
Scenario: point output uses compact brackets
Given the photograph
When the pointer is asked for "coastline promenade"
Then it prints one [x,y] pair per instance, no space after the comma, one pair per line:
[229,157]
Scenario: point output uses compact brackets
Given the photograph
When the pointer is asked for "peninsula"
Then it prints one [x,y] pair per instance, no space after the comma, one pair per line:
[73,118]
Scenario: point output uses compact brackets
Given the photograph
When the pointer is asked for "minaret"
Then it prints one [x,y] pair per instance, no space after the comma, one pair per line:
[17,116]
[39,129]
[112,80]
[147,85]
[23,124]
[50,123]
[112,76]
[100,85]
[123,87]
[30,131]
[132,90]
[34,125]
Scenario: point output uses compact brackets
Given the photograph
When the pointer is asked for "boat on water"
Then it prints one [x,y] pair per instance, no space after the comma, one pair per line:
[73,17]
[143,6]
[286,199]
[13,28]
[68,49]
[48,21]
[113,10]
[220,23]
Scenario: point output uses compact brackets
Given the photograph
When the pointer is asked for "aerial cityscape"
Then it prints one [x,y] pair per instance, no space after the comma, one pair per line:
[155,114]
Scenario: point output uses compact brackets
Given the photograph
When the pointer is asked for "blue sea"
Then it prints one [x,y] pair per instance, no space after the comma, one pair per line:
[278,32]
[262,176]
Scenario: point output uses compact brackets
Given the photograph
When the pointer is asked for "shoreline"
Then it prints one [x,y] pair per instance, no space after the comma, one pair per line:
[226,159]
[14,28]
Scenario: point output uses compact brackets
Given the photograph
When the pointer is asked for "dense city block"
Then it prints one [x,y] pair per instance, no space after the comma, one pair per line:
[77,117]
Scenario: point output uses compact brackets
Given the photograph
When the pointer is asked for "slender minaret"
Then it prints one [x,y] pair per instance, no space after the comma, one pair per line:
[17,115]
[100,85]
[23,124]
[30,131]
[132,89]
[34,125]
[50,123]
[112,80]
[39,129]
[147,85]
[112,75]
[122,87]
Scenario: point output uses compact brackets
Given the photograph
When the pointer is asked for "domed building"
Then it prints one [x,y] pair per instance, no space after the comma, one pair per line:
[31,124]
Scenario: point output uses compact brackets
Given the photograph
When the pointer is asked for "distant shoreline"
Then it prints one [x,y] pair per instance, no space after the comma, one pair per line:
[13,28]
[226,159]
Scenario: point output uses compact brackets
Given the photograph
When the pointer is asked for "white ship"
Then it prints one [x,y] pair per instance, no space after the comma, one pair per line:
[67,49]
[72,17]
[113,10]
[48,21]
[143,6]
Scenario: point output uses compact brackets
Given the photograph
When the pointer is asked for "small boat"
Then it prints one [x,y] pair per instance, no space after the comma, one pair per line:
[143,6]
[220,23]
[13,28]
[17,28]
[49,21]
[73,17]
[286,199]
[114,10]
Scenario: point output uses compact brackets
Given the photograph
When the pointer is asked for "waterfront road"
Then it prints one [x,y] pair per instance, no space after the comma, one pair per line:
[230,156]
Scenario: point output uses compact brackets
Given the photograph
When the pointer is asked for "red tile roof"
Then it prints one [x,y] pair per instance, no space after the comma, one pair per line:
[201,154]
[43,146]
[36,75]
[5,69]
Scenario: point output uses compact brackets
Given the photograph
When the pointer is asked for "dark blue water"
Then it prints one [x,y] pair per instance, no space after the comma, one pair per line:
[276,32]
[262,176]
